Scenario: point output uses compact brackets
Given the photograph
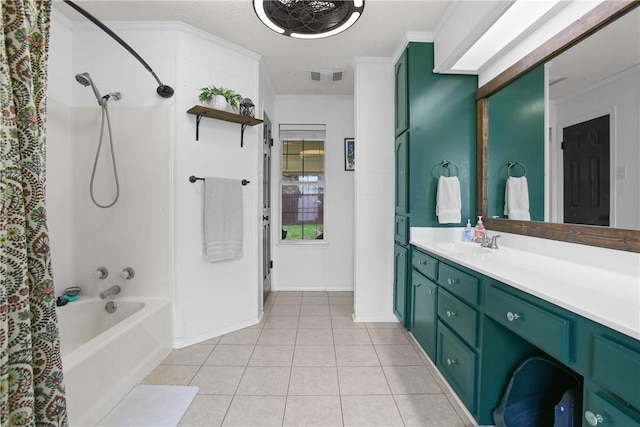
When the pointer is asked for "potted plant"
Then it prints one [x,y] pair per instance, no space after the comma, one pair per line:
[220,97]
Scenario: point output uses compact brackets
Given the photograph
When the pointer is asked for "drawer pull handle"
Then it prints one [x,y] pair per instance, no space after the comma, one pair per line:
[452,361]
[593,419]
[423,263]
[452,281]
[512,316]
[451,313]
[431,292]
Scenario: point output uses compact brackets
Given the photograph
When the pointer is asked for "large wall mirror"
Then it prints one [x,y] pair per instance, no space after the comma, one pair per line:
[567,116]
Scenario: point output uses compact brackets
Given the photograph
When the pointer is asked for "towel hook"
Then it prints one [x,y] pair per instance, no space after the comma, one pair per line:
[512,164]
[446,166]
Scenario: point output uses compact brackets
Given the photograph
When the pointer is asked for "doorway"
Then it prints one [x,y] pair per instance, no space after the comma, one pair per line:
[267,264]
[586,164]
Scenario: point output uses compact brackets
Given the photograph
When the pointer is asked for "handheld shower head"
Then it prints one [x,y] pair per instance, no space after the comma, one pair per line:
[85,80]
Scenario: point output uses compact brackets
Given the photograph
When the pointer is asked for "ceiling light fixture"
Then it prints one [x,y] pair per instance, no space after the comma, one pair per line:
[308,19]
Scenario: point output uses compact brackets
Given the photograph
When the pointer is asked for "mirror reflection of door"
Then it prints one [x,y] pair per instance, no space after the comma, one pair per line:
[586,172]
[267,143]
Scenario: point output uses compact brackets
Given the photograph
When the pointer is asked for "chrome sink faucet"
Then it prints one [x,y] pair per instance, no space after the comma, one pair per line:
[487,242]
[114,290]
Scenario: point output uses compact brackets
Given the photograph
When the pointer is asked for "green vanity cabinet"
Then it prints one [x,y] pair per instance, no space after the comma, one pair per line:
[401,267]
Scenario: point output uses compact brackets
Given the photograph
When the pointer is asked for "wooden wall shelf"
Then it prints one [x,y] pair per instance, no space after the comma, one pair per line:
[201,111]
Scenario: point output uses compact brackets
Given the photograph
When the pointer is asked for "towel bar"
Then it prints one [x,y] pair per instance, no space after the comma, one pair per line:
[194,179]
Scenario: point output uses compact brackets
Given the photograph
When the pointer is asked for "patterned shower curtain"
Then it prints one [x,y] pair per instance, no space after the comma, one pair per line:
[31,383]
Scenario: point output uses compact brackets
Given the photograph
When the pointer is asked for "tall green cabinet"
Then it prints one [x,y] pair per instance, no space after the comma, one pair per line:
[435,120]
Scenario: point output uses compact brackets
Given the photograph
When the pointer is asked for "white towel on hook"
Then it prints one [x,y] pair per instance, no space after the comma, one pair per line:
[516,198]
[448,200]
[222,219]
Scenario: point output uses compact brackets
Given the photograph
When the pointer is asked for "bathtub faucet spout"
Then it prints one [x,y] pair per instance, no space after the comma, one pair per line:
[114,290]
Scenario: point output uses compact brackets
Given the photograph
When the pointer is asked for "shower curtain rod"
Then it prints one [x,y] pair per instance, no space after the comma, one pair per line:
[162,90]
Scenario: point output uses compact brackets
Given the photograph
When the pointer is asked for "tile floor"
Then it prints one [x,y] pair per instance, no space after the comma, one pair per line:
[309,364]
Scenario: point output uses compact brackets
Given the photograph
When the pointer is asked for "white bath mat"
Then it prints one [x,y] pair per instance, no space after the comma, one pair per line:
[151,405]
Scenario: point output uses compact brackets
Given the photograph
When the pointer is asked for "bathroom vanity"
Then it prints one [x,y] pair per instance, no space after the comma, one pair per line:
[478,313]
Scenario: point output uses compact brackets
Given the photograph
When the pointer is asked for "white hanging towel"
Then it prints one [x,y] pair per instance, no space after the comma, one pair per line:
[448,201]
[516,198]
[222,219]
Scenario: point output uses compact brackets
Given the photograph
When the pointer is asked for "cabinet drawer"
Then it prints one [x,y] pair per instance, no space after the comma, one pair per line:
[545,329]
[458,283]
[617,368]
[459,316]
[601,409]
[457,362]
[424,264]
[402,230]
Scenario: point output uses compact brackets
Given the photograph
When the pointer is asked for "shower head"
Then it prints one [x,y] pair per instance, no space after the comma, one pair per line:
[85,80]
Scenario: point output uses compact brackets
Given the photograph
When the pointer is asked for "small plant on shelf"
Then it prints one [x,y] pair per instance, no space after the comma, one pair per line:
[208,95]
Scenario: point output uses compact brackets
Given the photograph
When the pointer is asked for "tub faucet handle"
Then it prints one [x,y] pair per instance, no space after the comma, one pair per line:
[128,273]
[101,273]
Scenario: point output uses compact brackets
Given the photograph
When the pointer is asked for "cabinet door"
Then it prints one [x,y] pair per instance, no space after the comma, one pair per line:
[402,95]
[424,295]
[402,174]
[400,282]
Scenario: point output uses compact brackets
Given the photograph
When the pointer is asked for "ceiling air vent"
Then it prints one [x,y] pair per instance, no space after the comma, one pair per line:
[326,75]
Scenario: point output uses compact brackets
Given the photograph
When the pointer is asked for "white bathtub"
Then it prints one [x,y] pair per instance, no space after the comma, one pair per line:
[104,355]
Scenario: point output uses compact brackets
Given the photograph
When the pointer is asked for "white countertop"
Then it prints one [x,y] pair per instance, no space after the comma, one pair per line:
[599,284]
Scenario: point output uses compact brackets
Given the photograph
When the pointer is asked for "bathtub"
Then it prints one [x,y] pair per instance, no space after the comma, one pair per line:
[104,355]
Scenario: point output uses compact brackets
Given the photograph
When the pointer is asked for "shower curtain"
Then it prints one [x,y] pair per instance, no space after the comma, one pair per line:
[31,382]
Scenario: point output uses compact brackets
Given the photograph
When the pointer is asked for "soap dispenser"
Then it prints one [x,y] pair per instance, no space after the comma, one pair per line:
[479,230]
[468,232]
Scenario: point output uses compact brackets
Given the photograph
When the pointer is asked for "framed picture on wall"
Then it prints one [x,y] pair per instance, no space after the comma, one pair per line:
[349,154]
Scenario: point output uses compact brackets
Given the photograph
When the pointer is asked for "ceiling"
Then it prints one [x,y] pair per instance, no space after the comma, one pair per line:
[289,61]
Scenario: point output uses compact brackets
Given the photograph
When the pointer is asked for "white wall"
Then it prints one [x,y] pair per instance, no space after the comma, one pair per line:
[328,264]
[375,175]
[617,96]
[136,231]
[214,298]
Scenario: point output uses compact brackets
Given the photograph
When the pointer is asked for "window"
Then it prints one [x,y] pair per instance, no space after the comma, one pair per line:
[302,182]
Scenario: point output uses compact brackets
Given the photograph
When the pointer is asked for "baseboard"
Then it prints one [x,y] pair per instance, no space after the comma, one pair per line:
[186,342]
[315,289]
[375,319]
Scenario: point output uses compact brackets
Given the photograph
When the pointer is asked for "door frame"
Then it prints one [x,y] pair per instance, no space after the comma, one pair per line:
[263,295]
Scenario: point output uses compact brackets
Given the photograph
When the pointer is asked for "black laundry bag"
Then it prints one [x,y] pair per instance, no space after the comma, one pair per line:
[534,393]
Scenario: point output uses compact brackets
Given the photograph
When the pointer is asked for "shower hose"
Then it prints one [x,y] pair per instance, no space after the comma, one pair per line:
[105,117]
